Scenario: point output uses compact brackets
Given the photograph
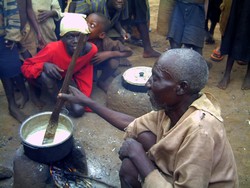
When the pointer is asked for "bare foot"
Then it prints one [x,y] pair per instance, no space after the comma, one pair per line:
[151,53]
[103,85]
[125,62]
[246,83]
[24,99]
[17,113]
[224,83]
[116,73]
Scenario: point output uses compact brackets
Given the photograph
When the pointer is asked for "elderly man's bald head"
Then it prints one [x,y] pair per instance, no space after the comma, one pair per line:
[185,65]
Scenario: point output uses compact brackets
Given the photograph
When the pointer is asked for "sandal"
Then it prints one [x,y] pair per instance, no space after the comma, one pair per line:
[216,56]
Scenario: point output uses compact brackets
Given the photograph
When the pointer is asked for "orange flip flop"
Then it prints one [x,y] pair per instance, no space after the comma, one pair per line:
[216,56]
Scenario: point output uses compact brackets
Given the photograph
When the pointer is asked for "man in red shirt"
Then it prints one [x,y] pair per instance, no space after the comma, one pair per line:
[48,68]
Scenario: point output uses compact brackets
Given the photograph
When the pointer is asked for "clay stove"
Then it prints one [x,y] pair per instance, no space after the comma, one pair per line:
[127,92]
[68,172]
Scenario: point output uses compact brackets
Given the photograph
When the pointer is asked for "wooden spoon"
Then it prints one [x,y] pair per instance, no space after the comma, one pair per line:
[53,122]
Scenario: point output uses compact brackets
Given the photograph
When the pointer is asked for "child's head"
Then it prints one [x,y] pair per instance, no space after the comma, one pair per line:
[98,25]
[73,22]
[71,26]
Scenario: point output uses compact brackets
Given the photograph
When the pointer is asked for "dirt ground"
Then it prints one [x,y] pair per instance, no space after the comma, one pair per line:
[101,141]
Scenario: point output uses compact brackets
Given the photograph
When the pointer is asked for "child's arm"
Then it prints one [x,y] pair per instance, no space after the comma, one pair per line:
[102,56]
[34,24]
[54,12]
[123,33]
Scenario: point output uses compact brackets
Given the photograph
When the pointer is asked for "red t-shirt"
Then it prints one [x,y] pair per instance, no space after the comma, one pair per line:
[55,52]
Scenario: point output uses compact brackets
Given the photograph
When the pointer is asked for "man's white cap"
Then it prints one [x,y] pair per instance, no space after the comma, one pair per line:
[73,22]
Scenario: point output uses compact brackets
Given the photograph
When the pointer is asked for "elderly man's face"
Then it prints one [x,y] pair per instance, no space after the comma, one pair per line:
[70,40]
[161,88]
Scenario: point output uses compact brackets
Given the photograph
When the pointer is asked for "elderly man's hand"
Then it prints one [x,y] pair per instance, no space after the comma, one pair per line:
[52,70]
[130,148]
[75,96]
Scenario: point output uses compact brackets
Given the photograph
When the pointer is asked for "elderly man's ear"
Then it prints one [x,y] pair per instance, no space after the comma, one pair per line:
[182,88]
[102,35]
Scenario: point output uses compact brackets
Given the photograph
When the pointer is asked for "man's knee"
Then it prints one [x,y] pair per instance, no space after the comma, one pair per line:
[76,110]
[114,63]
[49,82]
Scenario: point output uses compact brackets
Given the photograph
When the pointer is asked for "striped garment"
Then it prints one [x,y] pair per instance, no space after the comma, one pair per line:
[89,6]
[9,20]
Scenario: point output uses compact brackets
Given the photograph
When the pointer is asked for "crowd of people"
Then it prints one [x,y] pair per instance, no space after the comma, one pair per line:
[182,143]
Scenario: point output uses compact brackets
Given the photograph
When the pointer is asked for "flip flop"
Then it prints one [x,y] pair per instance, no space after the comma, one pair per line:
[216,56]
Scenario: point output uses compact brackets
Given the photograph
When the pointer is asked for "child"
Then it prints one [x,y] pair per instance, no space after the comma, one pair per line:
[114,10]
[47,12]
[10,64]
[110,51]
[213,15]
[29,24]
[236,42]
[48,67]
[187,25]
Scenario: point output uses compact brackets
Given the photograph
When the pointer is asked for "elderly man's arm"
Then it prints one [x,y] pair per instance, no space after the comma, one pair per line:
[149,174]
[117,119]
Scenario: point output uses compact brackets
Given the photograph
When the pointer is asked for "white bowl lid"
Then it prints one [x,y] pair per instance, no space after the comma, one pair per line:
[137,75]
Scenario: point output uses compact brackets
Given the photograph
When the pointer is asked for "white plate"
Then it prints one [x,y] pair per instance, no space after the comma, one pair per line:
[137,75]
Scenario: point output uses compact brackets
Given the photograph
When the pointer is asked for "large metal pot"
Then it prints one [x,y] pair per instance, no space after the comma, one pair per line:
[32,132]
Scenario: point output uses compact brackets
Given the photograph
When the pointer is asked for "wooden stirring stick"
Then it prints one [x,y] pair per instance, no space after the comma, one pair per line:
[53,122]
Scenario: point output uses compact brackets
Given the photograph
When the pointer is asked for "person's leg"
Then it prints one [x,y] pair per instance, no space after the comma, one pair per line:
[226,77]
[128,175]
[50,85]
[210,33]
[206,25]
[148,50]
[174,44]
[108,69]
[75,110]
[12,106]
[19,80]
[35,93]
[212,27]
[246,82]
[140,13]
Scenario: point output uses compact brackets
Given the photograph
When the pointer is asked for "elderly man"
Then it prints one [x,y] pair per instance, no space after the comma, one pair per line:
[49,66]
[183,142]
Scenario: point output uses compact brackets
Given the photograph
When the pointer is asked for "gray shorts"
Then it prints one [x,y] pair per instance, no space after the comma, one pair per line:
[187,24]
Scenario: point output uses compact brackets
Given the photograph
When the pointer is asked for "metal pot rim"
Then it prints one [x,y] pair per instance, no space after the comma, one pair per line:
[39,114]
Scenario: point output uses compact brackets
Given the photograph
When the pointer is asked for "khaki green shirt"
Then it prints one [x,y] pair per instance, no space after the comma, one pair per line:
[47,27]
[194,153]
